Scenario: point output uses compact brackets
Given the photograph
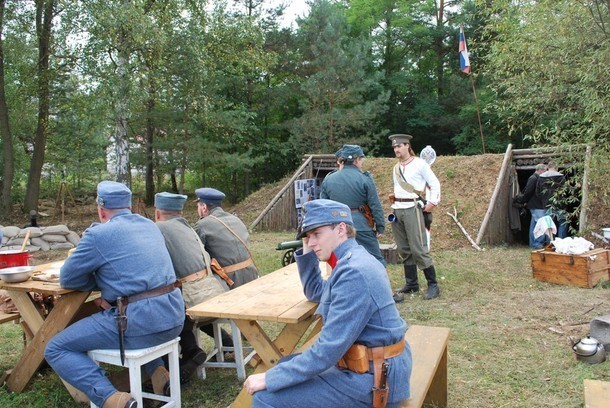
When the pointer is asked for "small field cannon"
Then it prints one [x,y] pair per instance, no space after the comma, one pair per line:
[289,247]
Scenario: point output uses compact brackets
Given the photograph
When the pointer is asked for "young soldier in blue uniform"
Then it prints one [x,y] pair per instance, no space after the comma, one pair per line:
[356,189]
[124,256]
[360,319]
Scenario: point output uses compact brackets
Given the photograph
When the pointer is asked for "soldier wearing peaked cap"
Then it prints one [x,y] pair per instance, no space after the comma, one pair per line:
[356,189]
[224,236]
[361,325]
[113,258]
[191,262]
[411,177]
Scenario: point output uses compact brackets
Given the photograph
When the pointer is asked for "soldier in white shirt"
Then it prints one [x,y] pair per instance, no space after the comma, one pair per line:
[411,176]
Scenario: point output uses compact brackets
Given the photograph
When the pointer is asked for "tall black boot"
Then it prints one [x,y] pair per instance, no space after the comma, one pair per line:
[411,286]
[433,289]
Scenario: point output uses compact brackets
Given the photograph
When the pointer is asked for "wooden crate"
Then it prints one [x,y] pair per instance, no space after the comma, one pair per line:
[585,270]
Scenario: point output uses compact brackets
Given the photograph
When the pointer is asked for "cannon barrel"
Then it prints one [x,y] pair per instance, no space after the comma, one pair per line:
[289,245]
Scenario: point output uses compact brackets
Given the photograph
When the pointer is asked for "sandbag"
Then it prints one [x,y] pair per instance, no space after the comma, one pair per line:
[10,232]
[35,232]
[61,245]
[52,238]
[73,238]
[15,241]
[41,243]
[56,230]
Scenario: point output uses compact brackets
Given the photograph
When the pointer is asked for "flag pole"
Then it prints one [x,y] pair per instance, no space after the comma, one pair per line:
[465,67]
[476,105]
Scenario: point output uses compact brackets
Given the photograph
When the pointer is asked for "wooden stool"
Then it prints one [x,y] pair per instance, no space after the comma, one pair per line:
[219,350]
[136,358]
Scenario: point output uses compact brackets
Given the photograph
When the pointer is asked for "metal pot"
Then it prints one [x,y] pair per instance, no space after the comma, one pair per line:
[16,274]
[14,258]
[589,350]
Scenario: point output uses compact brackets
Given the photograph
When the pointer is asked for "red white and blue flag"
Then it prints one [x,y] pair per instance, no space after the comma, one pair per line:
[464,60]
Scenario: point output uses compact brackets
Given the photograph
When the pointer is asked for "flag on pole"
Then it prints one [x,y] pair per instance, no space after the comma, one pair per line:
[464,60]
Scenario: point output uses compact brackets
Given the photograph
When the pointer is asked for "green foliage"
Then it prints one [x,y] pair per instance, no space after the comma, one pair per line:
[553,89]
[340,98]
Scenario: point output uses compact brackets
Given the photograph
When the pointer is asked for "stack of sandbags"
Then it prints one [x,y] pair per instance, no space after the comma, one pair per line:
[41,238]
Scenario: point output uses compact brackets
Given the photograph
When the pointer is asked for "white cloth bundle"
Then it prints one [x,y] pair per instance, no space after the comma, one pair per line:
[543,226]
[572,246]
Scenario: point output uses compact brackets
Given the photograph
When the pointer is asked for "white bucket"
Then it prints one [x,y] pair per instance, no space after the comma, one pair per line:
[606,232]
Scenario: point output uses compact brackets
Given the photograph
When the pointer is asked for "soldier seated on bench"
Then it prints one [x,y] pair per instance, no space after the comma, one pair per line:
[360,358]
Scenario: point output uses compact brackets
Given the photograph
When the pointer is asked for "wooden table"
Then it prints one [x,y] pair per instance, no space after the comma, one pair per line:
[276,297]
[66,310]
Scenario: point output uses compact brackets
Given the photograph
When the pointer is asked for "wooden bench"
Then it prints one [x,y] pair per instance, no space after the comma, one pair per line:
[429,374]
[597,394]
[9,317]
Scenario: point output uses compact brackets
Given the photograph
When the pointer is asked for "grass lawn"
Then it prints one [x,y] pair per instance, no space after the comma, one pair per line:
[509,344]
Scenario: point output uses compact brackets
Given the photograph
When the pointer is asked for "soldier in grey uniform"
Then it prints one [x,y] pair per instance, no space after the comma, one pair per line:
[360,358]
[224,236]
[356,189]
[411,175]
[124,256]
[189,262]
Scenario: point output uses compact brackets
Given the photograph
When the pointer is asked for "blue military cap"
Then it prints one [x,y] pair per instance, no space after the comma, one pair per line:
[351,152]
[169,201]
[318,213]
[210,196]
[338,153]
[111,195]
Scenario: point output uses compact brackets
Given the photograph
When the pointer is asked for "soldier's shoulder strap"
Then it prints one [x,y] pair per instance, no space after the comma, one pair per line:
[403,182]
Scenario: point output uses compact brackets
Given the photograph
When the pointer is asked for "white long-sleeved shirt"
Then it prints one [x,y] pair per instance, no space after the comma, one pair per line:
[419,175]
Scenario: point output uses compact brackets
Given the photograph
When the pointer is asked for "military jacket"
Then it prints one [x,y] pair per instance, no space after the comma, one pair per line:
[122,257]
[224,246]
[183,246]
[354,188]
[356,306]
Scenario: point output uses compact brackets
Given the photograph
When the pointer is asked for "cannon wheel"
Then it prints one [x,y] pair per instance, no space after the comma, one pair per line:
[288,257]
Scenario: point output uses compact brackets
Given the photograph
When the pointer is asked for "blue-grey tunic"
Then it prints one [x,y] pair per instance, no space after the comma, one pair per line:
[356,306]
[355,188]
[121,257]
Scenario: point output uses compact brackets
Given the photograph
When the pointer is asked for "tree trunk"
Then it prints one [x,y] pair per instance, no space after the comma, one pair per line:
[150,135]
[440,52]
[119,138]
[44,20]
[7,140]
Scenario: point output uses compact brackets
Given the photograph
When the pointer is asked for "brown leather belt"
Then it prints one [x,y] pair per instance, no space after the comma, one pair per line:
[406,200]
[237,266]
[357,359]
[199,274]
[161,290]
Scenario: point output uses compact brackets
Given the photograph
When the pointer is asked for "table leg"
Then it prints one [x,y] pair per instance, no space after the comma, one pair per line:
[64,310]
[270,351]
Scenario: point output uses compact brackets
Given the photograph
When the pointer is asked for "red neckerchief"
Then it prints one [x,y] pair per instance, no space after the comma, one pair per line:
[332,261]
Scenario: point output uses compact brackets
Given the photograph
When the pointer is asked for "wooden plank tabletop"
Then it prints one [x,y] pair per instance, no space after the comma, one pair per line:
[277,297]
[46,288]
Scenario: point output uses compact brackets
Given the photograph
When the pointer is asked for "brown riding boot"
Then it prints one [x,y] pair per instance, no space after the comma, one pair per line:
[160,381]
[120,400]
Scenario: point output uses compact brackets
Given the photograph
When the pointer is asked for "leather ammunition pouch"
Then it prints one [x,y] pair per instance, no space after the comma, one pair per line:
[358,358]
